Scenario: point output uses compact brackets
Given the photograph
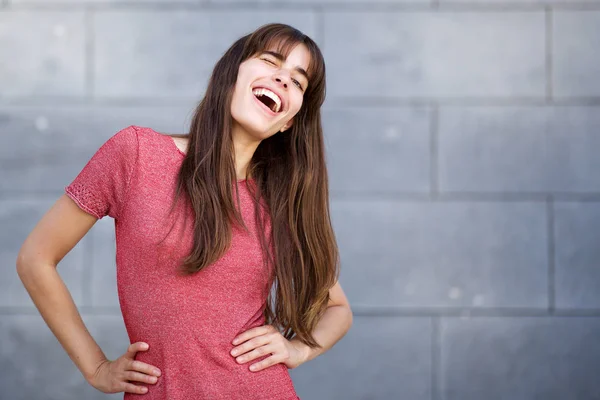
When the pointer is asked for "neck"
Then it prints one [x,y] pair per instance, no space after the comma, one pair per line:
[244,146]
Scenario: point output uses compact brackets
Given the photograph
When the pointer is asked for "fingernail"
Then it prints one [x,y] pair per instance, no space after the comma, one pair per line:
[145,345]
[156,372]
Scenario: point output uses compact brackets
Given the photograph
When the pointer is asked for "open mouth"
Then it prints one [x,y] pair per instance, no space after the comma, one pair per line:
[268,98]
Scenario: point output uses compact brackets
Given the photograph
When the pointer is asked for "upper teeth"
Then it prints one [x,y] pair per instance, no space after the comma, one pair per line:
[272,96]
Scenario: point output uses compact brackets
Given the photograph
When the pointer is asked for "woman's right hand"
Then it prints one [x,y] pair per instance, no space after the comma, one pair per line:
[115,376]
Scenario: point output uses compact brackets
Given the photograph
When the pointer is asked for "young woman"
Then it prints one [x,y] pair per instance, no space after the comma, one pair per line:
[227,264]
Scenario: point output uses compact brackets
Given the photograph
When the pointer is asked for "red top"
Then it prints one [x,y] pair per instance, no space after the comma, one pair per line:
[189,322]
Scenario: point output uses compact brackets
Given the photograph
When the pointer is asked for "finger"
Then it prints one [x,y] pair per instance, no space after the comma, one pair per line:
[250,333]
[135,347]
[131,388]
[250,345]
[256,353]
[136,365]
[266,363]
[139,377]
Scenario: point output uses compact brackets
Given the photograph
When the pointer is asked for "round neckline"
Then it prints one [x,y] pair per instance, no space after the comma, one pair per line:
[174,144]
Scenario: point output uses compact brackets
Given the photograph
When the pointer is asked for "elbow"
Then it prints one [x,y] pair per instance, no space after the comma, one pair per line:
[21,263]
[349,317]
[26,264]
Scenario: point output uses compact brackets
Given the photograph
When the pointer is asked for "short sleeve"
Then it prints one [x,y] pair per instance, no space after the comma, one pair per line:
[102,186]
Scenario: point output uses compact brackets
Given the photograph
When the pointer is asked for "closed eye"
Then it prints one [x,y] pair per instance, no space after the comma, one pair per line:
[273,63]
[269,61]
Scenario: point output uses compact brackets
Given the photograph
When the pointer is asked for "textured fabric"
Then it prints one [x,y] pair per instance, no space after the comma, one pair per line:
[189,322]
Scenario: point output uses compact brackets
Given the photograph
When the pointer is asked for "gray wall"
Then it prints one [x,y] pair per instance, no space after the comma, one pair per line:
[463,142]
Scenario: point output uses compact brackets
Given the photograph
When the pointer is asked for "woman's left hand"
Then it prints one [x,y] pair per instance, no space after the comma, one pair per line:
[263,340]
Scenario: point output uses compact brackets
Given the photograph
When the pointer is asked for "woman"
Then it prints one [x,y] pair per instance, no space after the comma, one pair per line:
[227,264]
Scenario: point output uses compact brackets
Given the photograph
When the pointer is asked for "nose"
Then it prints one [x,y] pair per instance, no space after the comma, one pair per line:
[284,82]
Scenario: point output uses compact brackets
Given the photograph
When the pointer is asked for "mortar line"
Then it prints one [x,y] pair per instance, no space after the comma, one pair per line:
[89,53]
[551,256]
[433,151]
[549,54]
[320,27]
[361,311]
[471,312]
[333,101]
[417,6]
[436,352]
[373,195]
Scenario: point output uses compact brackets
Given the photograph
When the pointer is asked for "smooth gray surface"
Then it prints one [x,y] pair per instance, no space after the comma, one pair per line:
[45,147]
[42,53]
[462,148]
[445,54]
[171,53]
[379,358]
[520,358]
[443,254]
[519,149]
[577,255]
[318,2]
[378,149]
[577,63]
[117,2]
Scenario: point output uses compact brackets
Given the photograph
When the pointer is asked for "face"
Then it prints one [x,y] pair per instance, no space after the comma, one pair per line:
[268,92]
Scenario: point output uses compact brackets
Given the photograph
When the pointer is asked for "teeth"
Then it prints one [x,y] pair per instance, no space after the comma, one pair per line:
[273,96]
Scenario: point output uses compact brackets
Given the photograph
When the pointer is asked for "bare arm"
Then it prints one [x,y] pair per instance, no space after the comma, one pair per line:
[333,325]
[261,340]
[57,232]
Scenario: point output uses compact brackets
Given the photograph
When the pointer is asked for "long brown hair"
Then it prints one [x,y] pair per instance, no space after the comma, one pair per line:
[290,183]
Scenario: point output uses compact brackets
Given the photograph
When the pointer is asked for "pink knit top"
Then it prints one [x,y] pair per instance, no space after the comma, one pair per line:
[189,322]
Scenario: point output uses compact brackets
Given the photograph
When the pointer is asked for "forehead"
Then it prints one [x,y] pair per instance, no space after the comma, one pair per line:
[297,51]
[297,56]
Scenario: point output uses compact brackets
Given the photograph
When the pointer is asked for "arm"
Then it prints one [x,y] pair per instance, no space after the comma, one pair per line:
[333,325]
[59,230]
[256,342]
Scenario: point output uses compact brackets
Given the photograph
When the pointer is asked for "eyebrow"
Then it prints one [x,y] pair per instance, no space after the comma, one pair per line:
[280,57]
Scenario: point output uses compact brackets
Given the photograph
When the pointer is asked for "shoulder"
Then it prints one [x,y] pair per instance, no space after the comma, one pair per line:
[127,137]
[122,146]
[145,135]
[137,139]
[165,144]
[131,144]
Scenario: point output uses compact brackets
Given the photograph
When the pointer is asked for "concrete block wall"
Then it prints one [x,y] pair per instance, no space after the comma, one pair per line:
[463,141]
